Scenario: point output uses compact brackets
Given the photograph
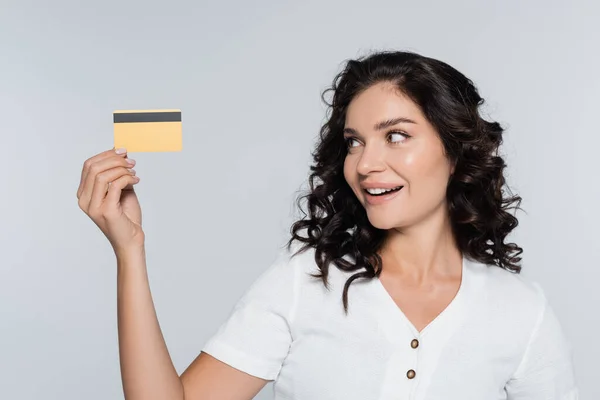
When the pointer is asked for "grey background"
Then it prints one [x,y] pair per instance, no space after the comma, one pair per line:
[248,78]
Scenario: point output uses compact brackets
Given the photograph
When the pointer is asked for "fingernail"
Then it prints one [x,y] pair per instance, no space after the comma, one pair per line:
[131,170]
[121,151]
[130,161]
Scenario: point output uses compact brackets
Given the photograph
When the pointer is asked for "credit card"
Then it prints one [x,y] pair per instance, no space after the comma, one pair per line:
[148,130]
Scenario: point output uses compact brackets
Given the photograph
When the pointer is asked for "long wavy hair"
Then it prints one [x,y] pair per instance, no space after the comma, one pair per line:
[336,224]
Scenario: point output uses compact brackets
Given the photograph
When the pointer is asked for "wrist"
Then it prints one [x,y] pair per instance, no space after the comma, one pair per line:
[132,254]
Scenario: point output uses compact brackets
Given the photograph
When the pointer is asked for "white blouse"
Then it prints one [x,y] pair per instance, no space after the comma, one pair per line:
[498,339]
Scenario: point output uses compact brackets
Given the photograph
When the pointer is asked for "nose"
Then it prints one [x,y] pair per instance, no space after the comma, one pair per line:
[371,160]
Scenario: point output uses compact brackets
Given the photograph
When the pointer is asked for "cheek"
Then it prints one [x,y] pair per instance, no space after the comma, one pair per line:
[424,171]
[349,170]
[346,170]
[408,165]
[350,174]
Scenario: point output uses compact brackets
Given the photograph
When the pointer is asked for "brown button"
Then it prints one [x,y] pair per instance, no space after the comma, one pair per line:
[414,344]
[411,374]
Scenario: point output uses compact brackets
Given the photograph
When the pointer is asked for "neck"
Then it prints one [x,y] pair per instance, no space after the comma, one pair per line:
[423,251]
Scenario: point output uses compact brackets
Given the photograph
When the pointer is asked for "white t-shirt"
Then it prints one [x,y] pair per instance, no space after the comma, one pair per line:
[498,339]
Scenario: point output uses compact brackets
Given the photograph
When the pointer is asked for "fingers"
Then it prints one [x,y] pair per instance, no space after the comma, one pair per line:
[90,161]
[97,175]
[116,188]
[101,185]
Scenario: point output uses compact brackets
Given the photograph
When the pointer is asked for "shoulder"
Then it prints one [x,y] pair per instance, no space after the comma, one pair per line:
[278,282]
[508,294]
[256,336]
[526,326]
[516,314]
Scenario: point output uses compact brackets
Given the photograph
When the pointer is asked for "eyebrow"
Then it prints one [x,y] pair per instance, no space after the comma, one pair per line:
[384,124]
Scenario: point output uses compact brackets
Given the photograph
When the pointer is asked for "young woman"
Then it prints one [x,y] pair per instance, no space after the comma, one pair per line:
[397,283]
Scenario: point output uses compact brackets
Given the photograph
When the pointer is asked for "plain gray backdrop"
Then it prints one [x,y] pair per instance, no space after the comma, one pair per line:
[248,78]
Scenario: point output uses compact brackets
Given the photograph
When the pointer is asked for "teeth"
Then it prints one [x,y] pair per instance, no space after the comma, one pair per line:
[381,191]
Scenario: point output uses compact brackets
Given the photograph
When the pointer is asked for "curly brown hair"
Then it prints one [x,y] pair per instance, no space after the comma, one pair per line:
[336,224]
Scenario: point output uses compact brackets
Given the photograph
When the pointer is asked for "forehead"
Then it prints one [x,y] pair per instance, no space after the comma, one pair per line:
[380,102]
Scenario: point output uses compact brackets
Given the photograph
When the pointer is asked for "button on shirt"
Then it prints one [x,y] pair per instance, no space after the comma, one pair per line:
[497,339]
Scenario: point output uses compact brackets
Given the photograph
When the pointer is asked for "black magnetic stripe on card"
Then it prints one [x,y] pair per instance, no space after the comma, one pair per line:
[168,116]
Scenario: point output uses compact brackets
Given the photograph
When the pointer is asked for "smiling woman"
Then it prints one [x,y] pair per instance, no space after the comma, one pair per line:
[407,207]
[399,119]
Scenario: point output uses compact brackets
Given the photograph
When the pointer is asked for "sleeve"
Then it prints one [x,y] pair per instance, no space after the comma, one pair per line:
[546,370]
[256,336]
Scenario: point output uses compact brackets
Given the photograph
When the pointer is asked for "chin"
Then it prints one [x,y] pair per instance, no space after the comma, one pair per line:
[383,222]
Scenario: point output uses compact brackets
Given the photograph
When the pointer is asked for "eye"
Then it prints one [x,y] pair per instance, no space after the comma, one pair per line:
[398,136]
[349,142]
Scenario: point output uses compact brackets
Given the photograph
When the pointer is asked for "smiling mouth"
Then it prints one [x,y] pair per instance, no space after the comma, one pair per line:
[382,192]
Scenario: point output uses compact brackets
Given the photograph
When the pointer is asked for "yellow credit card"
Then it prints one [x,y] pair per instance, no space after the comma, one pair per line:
[147,130]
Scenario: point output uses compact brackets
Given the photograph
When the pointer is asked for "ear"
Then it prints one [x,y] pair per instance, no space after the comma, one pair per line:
[452,167]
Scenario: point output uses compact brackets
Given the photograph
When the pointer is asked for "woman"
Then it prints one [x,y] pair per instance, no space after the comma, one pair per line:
[397,284]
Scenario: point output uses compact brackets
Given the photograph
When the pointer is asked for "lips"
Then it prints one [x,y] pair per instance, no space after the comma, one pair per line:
[382,197]
[382,191]
[379,185]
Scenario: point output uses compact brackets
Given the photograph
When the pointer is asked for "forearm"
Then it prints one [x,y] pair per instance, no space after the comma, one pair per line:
[147,370]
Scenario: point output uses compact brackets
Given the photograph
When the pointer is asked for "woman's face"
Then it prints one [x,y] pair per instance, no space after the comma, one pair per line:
[392,145]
